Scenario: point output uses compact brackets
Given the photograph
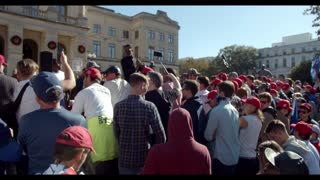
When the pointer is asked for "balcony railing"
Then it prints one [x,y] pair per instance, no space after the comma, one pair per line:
[46,15]
[29,11]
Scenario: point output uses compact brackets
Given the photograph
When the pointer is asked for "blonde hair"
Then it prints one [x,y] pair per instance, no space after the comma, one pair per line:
[27,67]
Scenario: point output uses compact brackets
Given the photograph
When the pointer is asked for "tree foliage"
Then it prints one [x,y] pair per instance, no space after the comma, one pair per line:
[240,58]
[302,72]
[314,10]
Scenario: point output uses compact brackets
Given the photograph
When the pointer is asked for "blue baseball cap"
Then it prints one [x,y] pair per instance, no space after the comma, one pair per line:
[10,150]
[47,86]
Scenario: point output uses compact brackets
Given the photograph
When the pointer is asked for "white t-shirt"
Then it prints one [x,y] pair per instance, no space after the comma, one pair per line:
[203,96]
[60,75]
[94,101]
[119,89]
[28,101]
[249,136]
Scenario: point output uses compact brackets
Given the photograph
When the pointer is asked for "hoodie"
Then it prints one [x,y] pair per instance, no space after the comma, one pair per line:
[181,154]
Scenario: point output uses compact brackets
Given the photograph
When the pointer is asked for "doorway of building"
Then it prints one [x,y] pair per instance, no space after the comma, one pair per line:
[30,49]
[2,46]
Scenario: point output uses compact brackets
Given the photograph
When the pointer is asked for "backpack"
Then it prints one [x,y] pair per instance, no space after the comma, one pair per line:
[8,111]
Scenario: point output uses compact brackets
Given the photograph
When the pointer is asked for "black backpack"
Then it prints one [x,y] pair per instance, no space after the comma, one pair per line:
[8,111]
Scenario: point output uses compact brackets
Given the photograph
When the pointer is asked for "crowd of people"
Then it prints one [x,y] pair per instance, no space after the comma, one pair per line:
[134,120]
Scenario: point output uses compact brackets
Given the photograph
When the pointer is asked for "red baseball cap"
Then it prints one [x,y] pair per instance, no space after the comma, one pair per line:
[284,104]
[146,69]
[239,81]
[285,86]
[302,127]
[306,106]
[273,91]
[253,101]
[223,76]
[279,84]
[93,72]
[216,81]
[3,60]
[273,85]
[236,85]
[212,94]
[243,78]
[76,136]
[308,87]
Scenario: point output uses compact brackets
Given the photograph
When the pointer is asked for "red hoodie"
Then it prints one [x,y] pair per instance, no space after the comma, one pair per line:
[181,154]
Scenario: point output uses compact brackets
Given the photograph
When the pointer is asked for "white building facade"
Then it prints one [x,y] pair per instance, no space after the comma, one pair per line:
[283,56]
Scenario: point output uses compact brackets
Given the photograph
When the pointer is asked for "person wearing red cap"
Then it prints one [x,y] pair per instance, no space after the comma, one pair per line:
[303,131]
[223,76]
[146,69]
[7,84]
[250,126]
[214,83]
[305,110]
[203,113]
[287,90]
[276,131]
[283,112]
[95,102]
[73,145]
[282,95]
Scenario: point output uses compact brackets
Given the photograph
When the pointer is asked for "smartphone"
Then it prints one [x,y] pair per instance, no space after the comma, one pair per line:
[59,54]
[46,61]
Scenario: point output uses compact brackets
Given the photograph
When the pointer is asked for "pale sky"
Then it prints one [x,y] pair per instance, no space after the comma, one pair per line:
[204,30]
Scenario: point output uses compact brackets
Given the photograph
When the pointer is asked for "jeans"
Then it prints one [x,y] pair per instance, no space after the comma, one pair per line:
[129,171]
[219,169]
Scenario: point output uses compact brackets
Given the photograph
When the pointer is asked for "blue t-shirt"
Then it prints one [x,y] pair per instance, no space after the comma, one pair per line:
[38,131]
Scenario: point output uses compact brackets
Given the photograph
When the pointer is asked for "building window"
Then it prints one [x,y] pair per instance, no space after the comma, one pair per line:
[170,56]
[136,35]
[303,49]
[61,11]
[150,53]
[112,31]
[284,62]
[136,51]
[96,28]
[293,62]
[161,36]
[161,50]
[276,63]
[303,58]
[293,50]
[284,52]
[152,35]
[97,48]
[170,38]
[126,34]
[260,64]
[111,51]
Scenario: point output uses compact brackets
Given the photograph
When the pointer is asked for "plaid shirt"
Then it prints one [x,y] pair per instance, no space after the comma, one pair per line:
[132,120]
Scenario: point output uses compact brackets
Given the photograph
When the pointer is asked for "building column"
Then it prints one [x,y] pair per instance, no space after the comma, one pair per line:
[77,59]
[46,38]
[15,53]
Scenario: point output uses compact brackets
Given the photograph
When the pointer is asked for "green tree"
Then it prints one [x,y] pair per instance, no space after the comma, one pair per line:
[201,65]
[314,10]
[302,72]
[239,58]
